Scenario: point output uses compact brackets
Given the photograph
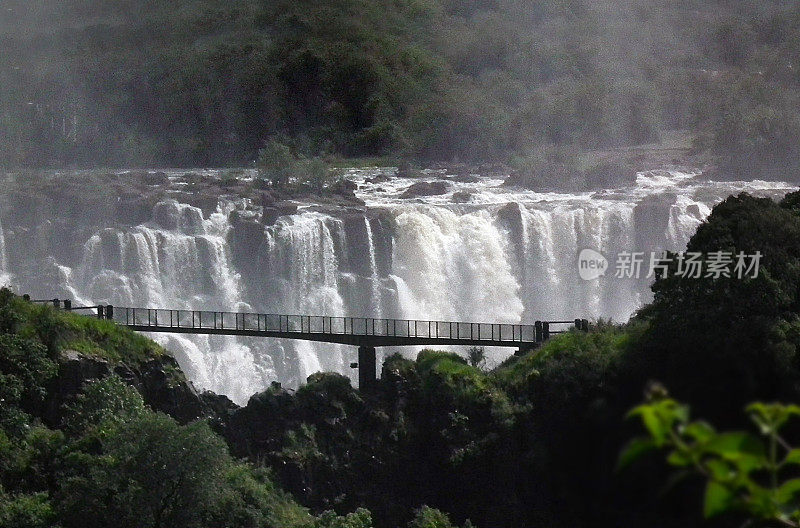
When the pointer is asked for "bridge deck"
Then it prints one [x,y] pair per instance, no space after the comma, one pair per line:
[359,331]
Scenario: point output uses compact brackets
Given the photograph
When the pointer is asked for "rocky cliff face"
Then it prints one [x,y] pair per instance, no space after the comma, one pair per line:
[160,381]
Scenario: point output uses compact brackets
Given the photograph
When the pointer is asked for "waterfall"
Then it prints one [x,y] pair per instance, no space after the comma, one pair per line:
[455,266]
[177,261]
[505,256]
[552,239]
[300,271]
[375,300]
[5,272]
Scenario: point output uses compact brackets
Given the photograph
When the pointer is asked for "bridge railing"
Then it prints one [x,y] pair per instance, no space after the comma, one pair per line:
[309,324]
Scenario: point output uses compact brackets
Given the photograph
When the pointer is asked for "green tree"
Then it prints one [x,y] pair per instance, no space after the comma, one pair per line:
[744,329]
[316,173]
[427,517]
[277,163]
[151,472]
[25,368]
[360,518]
[476,356]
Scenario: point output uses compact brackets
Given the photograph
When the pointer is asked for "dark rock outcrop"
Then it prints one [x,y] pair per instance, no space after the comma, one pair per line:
[462,196]
[465,178]
[272,213]
[380,178]
[427,189]
[610,175]
[246,237]
[510,216]
[155,178]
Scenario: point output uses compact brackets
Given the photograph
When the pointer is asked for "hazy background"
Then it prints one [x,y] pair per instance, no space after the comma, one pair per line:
[206,82]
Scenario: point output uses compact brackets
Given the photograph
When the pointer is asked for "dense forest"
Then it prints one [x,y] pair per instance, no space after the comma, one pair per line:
[100,429]
[207,82]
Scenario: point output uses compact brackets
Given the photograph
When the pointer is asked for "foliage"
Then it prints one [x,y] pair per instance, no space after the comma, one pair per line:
[151,472]
[60,330]
[360,518]
[25,368]
[103,404]
[276,163]
[427,517]
[113,460]
[752,475]
[26,511]
[250,499]
[747,329]
[282,166]
[476,356]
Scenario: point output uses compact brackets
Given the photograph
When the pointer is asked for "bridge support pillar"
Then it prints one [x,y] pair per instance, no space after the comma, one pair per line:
[521,351]
[367,364]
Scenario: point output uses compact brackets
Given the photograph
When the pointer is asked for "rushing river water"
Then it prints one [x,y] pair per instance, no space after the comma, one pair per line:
[500,256]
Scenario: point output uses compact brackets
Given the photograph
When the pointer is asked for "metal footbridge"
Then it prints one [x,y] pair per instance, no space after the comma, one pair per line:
[364,332]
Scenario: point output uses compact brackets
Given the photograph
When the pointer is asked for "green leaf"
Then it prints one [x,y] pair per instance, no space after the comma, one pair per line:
[720,470]
[771,417]
[658,418]
[657,429]
[718,499]
[788,491]
[700,431]
[680,458]
[761,414]
[634,450]
[735,443]
[747,463]
[792,457]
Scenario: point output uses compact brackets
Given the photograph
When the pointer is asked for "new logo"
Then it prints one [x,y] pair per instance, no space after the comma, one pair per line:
[591,264]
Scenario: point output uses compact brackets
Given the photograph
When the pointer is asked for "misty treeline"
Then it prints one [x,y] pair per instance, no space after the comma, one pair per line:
[207,82]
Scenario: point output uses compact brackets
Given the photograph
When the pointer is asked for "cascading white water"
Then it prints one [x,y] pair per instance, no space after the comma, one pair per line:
[5,272]
[552,240]
[301,276]
[505,256]
[179,261]
[454,267]
[375,301]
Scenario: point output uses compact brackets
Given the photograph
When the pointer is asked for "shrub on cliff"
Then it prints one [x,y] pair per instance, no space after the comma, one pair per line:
[284,167]
[103,404]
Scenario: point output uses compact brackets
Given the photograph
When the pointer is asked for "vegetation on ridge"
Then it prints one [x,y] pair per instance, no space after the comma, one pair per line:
[102,457]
